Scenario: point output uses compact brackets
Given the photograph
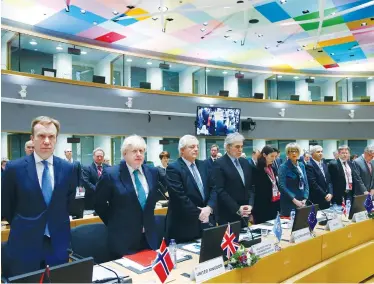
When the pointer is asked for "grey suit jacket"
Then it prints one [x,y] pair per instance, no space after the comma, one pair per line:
[366,180]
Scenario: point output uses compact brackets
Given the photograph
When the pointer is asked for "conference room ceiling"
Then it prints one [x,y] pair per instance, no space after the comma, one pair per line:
[304,35]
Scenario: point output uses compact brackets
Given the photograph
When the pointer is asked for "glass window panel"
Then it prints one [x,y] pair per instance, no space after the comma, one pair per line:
[285,89]
[116,149]
[358,90]
[83,151]
[215,84]
[172,148]
[357,146]
[199,81]
[118,70]
[209,142]
[282,147]
[315,93]
[138,75]
[83,73]
[16,144]
[245,88]
[170,81]
[271,88]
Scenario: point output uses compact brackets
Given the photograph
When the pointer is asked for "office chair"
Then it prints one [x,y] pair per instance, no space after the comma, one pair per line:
[160,221]
[91,240]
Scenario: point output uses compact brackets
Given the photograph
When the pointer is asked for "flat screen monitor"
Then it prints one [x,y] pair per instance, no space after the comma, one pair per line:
[76,209]
[223,93]
[358,205]
[145,85]
[79,271]
[259,96]
[217,121]
[295,98]
[98,79]
[212,239]
[301,217]
[329,98]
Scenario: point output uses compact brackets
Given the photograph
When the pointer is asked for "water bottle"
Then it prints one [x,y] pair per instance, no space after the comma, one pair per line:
[173,251]
[348,206]
[292,217]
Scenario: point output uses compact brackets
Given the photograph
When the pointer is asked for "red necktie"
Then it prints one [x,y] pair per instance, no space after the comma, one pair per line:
[99,170]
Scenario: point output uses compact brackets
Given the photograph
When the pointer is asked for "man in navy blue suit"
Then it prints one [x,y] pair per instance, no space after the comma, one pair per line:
[214,149]
[125,199]
[192,196]
[320,186]
[35,196]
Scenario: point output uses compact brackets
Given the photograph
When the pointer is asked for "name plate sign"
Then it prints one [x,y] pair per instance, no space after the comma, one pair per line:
[359,217]
[301,236]
[264,248]
[209,269]
[334,225]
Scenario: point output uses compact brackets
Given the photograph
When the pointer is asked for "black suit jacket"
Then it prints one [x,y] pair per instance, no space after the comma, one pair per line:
[319,185]
[338,179]
[209,164]
[277,163]
[183,222]
[231,192]
[117,204]
[89,181]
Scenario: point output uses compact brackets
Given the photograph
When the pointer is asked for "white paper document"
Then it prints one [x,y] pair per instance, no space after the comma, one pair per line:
[194,247]
[100,273]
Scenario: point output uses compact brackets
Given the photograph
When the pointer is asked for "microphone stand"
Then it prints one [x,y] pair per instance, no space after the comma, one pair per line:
[77,257]
[163,188]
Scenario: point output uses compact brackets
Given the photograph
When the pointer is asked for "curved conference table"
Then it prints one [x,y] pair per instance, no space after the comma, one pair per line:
[344,255]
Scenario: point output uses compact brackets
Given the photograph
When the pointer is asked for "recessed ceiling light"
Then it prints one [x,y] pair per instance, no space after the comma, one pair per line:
[348,78]
[83,11]
[163,9]
[283,1]
[363,24]
[226,36]
[129,60]
[154,18]
[149,63]
[311,60]
[83,52]
[224,72]
[227,7]
[260,35]
[115,12]
[203,29]
[305,11]
[279,76]
[370,78]
[312,77]
[299,49]
[296,77]
[253,21]
[59,48]
[332,53]
[37,50]
[95,23]
[205,24]
[33,42]
[207,70]
[267,47]
[333,13]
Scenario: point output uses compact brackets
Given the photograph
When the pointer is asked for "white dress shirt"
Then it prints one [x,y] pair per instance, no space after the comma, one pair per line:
[347,173]
[40,168]
[142,179]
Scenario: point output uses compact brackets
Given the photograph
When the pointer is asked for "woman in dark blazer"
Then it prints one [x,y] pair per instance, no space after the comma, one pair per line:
[293,183]
[267,195]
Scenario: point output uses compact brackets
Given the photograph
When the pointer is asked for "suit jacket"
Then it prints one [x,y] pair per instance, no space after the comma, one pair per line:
[23,206]
[231,192]
[365,178]
[209,164]
[183,222]
[276,165]
[319,185]
[117,204]
[90,179]
[251,163]
[289,181]
[338,179]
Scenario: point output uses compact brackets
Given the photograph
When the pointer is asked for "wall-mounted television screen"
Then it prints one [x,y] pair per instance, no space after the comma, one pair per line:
[217,121]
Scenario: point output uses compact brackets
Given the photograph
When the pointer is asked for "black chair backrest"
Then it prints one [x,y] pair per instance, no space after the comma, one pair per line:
[91,240]
[160,221]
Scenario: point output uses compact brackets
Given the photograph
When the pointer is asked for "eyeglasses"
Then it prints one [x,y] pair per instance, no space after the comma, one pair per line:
[293,151]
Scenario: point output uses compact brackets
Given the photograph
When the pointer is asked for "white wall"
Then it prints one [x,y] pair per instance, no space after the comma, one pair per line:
[370,142]
[231,85]
[329,146]
[370,89]
[154,76]
[329,87]
[186,80]
[127,76]
[202,148]
[301,89]
[4,145]
[258,144]
[350,90]
[258,84]
[104,142]
[62,145]
[304,145]
[102,68]
[63,63]
[154,148]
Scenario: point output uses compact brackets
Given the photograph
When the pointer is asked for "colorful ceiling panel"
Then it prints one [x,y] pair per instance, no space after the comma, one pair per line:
[332,35]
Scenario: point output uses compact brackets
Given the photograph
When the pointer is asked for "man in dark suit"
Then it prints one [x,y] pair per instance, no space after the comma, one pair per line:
[192,198]
[305,158]
[125,200]
[214,149]
[344,177]
[69,158]
[277,162]
[90,177]
[29,147]
[253,160]
[35,196]
[365,168]
[320,186]
[233,178]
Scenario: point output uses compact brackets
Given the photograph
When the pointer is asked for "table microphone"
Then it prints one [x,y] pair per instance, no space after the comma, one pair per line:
[77,256]
[245,220]
[163,188]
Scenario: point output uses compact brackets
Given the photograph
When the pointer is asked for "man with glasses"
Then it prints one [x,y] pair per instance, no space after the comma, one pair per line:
[365,168]
[125,199]
[233,178]
[192,196]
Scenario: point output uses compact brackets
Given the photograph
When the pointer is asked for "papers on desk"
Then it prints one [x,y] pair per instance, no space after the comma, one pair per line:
[100,274]
[192,247]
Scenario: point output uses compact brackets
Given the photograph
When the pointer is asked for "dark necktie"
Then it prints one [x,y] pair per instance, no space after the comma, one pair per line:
[46,189]
[99,170]
[140,189]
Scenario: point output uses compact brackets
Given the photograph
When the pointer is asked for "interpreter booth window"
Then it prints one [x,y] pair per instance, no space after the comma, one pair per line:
[170,81]
[342,91]
[244,88]
[315,93]
[116,149]
[215,85]
[272,143]
[138,75]
[357,146]
[16,145]
[285,89]
[359,91]
[83,73]
[199,81]
[271,88]
[282,148]
[171,146]
[118,71]
[83,151]
[209,142]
